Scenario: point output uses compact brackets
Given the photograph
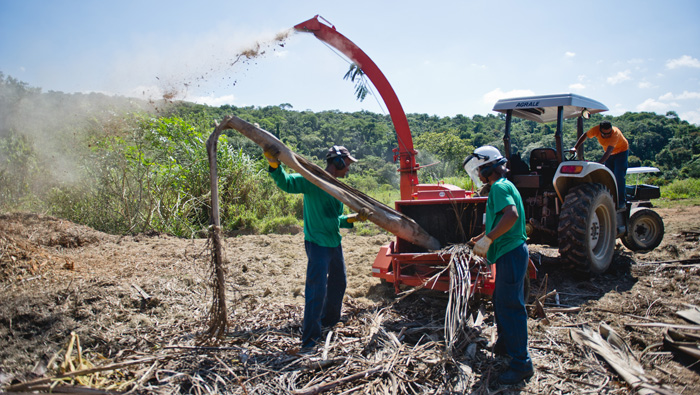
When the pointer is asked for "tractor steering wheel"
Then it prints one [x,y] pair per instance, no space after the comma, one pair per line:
[572,154]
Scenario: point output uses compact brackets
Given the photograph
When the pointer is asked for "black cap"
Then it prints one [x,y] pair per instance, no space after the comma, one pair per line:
[339,150]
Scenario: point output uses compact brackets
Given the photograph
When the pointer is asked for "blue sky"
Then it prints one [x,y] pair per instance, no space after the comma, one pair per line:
[442,57]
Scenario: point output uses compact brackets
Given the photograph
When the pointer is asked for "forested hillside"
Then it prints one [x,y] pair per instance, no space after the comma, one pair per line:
[123,165]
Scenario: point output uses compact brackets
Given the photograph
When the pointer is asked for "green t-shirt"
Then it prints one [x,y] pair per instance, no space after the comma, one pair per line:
[503,194]
[323,214]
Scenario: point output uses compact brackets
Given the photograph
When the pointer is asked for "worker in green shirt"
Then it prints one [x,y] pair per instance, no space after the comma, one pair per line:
[323,217]
[503,243]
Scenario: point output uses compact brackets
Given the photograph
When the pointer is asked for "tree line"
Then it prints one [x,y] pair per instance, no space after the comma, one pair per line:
[663,141]
[124,165]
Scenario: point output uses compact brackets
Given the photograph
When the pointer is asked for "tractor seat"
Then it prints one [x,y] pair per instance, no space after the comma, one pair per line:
[541,158]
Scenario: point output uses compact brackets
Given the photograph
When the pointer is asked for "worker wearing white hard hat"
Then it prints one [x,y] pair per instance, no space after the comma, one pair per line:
[503,243]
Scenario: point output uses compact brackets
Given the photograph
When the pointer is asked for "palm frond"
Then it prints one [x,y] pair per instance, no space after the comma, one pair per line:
[361,89]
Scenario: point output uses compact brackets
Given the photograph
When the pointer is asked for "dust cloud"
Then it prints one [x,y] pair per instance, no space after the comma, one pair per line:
[223,72]
[54,128]
[49,129]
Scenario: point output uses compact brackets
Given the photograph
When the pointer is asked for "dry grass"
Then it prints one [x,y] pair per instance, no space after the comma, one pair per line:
[138,307]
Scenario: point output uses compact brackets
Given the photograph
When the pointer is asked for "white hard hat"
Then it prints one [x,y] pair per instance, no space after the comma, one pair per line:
[482,156]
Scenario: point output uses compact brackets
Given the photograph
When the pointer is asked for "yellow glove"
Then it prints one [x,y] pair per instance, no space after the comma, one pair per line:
[361,215]
[482,246]
[272,159]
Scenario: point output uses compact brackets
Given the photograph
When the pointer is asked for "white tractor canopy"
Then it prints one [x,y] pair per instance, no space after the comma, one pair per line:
[544,108]
[642,170]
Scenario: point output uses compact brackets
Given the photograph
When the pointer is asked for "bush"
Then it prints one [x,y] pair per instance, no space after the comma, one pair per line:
[279,224]
[152,174]
[682,189]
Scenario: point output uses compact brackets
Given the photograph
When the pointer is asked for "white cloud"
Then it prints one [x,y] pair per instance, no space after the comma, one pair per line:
[577,87]
[683,96]
[688,95]
[644,85]
[666,97]
[497,94]
[683,61]
[570,54]
[214,101]
[620,77]
[619,109]
[651,105]
[691,116]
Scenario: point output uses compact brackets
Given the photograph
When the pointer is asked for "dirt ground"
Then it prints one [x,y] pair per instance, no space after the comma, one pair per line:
[131,297]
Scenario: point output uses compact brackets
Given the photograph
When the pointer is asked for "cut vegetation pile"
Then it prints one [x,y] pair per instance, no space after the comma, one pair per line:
[80,308]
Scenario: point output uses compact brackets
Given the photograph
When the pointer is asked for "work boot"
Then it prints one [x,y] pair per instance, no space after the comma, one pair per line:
[499,349]
[307,350]
[511,376]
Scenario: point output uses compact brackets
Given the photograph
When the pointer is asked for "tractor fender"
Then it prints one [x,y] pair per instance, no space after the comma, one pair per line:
[573,173]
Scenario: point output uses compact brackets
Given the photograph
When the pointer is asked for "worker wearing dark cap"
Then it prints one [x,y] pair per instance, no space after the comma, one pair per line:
[616,154]
[323,218]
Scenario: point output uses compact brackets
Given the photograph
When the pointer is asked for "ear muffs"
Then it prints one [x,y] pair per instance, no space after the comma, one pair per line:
[338,160]
[486,171]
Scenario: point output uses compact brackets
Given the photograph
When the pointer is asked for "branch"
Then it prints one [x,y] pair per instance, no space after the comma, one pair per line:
[318,388]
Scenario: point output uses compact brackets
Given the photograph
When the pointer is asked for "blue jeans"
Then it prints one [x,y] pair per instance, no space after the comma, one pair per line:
[509,306]
[618,165]
[325,288]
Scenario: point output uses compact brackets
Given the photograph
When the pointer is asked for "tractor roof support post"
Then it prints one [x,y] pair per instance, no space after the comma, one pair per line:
[557,135]
[506,136]
[579,130]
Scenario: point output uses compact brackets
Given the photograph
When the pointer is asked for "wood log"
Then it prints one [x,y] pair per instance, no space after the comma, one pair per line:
[318,388]
[382,215]
[27,386]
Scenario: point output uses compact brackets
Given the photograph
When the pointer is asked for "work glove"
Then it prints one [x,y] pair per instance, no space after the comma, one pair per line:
[361,215]
[272,159]
[482,246]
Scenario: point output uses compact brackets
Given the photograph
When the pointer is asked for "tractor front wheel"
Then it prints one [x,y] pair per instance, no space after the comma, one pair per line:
[645,230]
[587,228]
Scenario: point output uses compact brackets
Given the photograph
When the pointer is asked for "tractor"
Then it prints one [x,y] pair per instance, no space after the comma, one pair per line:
[572,203]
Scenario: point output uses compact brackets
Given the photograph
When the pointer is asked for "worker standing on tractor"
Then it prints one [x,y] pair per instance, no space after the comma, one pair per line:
[323,218]
[503,242]
[616,154]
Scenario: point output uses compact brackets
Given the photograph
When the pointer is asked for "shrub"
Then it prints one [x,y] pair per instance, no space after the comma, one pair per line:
[682,189]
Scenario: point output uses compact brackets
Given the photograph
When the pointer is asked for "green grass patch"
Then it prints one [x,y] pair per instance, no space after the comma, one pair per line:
[668,203]
[688,188]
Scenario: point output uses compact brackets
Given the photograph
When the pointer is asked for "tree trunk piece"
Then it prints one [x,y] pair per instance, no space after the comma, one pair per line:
[382,215]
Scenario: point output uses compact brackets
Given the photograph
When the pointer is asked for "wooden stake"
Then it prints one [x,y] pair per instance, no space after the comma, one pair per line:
[218,321]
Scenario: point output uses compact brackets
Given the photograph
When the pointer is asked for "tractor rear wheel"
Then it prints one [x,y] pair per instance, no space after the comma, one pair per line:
[587,228]
[645,230]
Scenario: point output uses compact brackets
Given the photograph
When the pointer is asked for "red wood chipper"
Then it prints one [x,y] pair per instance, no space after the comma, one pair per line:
[447,212]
